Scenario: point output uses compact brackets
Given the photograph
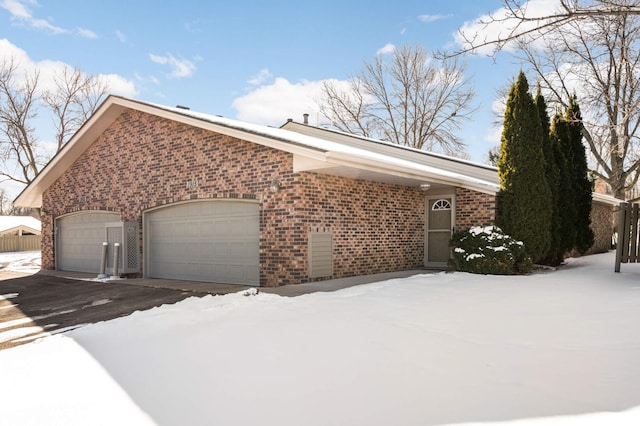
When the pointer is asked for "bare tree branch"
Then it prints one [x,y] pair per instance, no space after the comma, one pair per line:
[72,100]
[74,97]
[598,59]
[517,23]
[408,100]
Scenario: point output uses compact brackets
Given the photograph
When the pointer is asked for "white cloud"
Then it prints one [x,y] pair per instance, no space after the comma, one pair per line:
[495,26]
[10,51]
[158,59]
[432,18]
[87,33]
[274,103]
[16,9]
[49,68]
[41,24]
[150,79]
[179,67]
[262,76]
[387,48]
[21,14]
[119,85]
[494,135]
[121,36]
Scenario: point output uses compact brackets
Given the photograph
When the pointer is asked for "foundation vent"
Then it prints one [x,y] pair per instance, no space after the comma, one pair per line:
[320,254]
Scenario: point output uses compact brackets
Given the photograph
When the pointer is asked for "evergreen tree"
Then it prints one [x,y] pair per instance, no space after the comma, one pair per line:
[566,199]
[555,254]
[580,175]
[525,199]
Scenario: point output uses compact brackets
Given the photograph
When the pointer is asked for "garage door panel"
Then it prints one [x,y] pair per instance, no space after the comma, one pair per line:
[237,250]
[79,240]
[207,227]
[237,226]
[220,250]
[253,227]
[212,241]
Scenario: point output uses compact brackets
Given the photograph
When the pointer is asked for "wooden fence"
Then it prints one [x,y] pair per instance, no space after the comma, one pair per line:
[628,247]
[11,243]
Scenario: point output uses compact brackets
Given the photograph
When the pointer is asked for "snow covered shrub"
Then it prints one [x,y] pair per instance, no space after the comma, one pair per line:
[488,250]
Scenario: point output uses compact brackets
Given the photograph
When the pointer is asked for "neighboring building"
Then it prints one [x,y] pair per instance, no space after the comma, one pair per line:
[199,197]
[19,225]
[19,233]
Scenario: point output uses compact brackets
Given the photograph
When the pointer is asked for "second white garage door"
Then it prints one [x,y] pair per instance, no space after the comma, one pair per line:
[212,241]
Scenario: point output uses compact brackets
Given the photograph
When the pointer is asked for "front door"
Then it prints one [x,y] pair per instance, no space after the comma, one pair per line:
[439,222]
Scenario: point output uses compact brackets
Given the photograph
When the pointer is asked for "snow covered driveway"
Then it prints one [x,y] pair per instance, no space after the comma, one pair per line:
[426,350]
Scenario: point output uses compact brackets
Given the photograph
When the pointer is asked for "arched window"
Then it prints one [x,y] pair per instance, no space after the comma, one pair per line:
[441,204]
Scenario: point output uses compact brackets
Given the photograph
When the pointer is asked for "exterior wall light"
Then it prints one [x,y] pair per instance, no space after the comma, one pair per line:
[275,186]
[425,187]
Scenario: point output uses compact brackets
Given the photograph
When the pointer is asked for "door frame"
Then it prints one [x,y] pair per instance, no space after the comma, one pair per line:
[428,198]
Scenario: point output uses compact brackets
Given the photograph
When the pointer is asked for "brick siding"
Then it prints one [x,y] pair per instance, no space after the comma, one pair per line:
[474,209]
[602,227]
[143,161]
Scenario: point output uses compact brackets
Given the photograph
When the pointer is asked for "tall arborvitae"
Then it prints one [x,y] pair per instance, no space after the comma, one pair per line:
[525,199]
[556,250]
[581,182]
[566,201]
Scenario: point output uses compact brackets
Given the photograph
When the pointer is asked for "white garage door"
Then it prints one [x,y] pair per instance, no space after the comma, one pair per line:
[79,238]
[211,241]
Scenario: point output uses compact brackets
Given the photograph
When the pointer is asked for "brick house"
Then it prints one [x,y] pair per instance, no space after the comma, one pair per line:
[199,197]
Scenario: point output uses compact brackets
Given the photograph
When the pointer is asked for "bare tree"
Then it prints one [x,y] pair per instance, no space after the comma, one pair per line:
[18,105]
[588,48]
[516,22]
[73,98]
[5,203]
[599,61]
[409,100]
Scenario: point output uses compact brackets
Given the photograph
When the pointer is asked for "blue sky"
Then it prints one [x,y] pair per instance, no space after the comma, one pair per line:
[260,61]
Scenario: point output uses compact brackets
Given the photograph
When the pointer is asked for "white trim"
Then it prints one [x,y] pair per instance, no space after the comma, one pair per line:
[438,206]
[606,199]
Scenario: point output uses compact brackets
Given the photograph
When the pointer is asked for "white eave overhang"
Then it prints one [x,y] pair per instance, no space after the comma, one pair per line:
[606,199]
[310,153]
[369,166]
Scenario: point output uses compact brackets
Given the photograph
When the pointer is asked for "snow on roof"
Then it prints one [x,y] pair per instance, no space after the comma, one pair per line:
[292,125]
[10,222]
[382,161]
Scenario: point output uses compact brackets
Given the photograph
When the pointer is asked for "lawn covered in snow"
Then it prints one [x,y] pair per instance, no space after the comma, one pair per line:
[557,347]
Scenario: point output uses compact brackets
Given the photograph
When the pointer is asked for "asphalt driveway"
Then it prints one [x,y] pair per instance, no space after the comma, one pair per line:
[33,306]
[36,304]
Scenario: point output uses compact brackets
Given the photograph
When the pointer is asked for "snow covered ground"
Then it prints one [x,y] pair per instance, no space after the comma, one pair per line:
[25,262]
[552,348]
